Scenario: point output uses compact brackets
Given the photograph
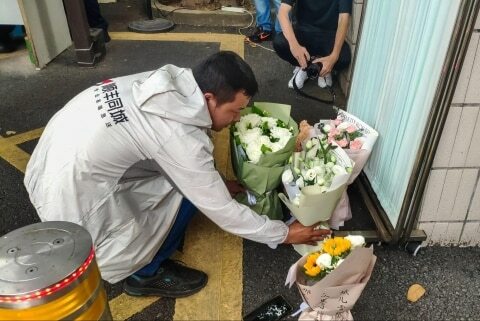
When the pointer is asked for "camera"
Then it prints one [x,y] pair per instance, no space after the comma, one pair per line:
[313,69]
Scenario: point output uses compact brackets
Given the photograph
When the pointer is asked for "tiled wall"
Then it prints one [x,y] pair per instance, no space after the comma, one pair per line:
[450,212]
[352,36]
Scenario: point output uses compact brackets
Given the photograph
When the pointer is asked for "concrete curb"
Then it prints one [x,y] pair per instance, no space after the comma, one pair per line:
[211,18]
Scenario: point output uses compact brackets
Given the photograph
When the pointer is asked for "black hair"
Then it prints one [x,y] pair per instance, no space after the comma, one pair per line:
[224,74]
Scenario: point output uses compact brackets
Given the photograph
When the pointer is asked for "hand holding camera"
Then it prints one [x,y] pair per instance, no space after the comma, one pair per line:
[313,68]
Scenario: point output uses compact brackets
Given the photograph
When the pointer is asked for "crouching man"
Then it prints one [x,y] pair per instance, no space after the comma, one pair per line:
[130,160]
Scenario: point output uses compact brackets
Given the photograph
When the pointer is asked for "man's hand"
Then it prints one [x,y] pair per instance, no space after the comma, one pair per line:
[234,188]
[299,234]
[301,54]
[328,62]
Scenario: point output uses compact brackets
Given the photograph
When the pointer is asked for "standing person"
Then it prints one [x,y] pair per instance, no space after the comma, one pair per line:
[130,160]
[264,30]
[95,18]
[319,31]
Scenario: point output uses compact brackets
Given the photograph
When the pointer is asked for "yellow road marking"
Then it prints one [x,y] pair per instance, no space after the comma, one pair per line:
[123,305]
[227,41]
[219,254]
[10,152]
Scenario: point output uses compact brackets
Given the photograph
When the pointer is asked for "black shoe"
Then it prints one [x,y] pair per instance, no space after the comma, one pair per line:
[173,280]
[259,35]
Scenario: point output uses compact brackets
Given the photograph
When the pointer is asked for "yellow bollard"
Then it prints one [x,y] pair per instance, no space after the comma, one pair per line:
[48,272]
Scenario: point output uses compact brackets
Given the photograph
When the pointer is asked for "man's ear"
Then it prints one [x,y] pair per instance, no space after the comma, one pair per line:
[211,100]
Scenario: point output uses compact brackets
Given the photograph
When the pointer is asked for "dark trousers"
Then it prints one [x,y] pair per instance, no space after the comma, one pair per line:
[94,17]
[317,43]
[174,238]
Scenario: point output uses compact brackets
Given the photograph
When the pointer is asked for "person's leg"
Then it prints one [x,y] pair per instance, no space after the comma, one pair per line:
[95,18]
[263,30]
[185,214]
[282,48]
[262,18]
[277,3]
[165,277]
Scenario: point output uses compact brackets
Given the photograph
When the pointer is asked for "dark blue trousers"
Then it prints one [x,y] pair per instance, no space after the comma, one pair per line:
[174,238]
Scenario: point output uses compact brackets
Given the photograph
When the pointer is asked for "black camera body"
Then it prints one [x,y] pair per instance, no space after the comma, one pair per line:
[313,69]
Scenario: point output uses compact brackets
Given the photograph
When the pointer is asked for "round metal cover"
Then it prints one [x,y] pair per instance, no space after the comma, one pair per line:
[37,256]
[151,26]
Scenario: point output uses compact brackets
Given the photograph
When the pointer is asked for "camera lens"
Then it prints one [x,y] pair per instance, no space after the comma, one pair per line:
[313,70]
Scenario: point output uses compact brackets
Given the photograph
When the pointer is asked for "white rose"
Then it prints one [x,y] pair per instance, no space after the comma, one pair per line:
[356,240]
[310,175]
[287,176]
[324,260]
[343,126]
[327,128]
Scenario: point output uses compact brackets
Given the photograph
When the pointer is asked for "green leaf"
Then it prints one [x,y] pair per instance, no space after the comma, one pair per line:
[265,149]
[259,111]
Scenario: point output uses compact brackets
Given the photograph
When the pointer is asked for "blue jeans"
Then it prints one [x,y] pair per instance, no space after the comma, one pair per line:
[262,7]
[185,214]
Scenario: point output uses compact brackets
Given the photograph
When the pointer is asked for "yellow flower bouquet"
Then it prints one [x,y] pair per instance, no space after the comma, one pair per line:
[332,278]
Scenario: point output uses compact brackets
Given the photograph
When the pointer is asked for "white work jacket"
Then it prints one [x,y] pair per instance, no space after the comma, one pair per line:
[119,157]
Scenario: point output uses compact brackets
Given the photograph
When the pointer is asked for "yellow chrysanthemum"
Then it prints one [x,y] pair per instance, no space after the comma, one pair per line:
[311,267]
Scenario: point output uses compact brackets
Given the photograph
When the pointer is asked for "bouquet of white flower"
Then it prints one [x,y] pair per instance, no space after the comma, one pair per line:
[262,142]
[332,277]
[315,180]
[357,139]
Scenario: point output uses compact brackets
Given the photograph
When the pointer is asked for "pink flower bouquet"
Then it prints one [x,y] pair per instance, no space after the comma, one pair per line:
[357,139]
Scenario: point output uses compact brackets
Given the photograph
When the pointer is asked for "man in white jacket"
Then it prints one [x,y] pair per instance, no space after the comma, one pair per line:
[130,160]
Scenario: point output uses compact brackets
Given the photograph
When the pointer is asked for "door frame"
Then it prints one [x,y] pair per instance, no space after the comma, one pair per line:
[405,231]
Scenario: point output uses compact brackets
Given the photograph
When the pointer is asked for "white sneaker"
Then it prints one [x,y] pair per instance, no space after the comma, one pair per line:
[300,78]
[323,82]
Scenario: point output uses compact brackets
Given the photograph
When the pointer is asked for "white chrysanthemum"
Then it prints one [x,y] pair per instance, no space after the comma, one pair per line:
[253,119]
[272,122]
[265,140]
[276,146]
[254,152]
[250,135]
[282,134]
